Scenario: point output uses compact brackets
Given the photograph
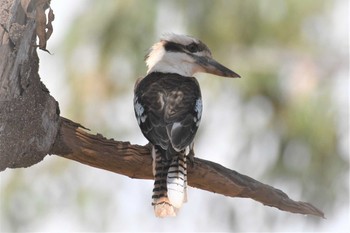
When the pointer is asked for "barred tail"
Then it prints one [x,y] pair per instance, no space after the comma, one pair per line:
[161,202]
[177,180]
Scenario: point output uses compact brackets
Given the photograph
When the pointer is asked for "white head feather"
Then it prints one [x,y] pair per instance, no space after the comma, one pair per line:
[159,60]
[177,38]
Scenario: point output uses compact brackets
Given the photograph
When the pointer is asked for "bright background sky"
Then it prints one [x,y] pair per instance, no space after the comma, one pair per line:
[58,195]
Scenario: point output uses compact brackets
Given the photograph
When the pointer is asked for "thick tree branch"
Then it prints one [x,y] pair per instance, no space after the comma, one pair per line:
[73,142]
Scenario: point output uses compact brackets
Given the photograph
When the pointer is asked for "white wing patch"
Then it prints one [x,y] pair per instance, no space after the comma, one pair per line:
[176,125]
[198,109]
[139,110]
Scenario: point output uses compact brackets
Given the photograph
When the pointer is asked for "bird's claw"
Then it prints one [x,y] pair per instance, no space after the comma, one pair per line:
[190,157]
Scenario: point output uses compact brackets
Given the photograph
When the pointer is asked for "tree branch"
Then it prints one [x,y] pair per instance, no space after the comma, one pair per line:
[73,142]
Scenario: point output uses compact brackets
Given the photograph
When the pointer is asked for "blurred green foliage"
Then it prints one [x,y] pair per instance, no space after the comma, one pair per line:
[280,48]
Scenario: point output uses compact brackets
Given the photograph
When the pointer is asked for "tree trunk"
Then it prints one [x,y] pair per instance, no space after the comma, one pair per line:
[29,116]
[30,125]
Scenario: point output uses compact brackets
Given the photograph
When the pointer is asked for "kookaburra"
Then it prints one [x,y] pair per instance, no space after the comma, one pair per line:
[168,108]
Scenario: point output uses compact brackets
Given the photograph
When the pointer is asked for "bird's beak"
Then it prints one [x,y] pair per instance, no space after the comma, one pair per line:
[209,65]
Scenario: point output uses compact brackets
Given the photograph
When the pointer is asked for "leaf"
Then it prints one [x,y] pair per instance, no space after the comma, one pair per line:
[40,18]
[36,9]
[51,17]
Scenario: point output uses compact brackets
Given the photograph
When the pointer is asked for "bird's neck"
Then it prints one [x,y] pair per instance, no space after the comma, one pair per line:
[183,69]
[160,61]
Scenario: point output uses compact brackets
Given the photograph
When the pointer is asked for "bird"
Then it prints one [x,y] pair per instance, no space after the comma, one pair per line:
[168,108]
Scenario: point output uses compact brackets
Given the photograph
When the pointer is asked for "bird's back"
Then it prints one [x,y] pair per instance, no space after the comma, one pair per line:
[168,108]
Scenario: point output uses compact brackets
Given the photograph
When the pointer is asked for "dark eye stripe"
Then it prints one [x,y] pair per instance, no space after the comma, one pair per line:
[191,48]
[173,47]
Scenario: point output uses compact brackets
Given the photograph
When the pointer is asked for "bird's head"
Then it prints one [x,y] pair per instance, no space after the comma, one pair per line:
[184,55]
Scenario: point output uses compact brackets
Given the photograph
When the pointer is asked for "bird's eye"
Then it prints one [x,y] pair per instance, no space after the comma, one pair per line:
[193,48]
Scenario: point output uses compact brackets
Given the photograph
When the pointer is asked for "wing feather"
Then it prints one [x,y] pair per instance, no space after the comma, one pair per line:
[170,109]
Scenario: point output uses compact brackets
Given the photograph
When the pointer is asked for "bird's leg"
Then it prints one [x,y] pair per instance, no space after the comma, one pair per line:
[190,155]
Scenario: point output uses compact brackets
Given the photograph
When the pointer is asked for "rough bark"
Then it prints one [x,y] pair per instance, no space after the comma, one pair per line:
[73,142]
[30,126]
[28,114]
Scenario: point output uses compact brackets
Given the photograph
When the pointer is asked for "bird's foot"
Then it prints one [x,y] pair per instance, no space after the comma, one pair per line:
[163,208]
[190,157]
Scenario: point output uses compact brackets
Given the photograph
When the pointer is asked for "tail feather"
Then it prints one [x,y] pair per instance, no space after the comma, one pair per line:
[170,185]
[177,181]
[161,202]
